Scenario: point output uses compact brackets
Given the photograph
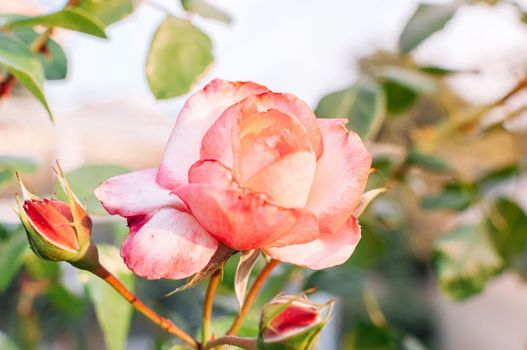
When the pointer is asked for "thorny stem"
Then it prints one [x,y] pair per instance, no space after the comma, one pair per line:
[244,343]
[207,306]
[162,322]
[251,296]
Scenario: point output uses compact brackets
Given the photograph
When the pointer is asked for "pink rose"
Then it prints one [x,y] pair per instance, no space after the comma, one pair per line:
[248,168]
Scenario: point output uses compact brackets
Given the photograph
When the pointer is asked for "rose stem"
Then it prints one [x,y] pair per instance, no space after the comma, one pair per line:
[207,306]
[251,296]
[244,343]
[162,322]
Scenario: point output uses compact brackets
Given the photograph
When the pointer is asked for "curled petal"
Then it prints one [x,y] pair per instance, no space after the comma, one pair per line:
[134,194]
[197,115]
[330,249]
[211,172]
[218,139]
[341,175]
[245,220]
[170,244]
[288,180]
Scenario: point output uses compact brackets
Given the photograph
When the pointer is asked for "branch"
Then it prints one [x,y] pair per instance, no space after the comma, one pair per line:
[207,306]
[244,343]
[251,296]
[162,322]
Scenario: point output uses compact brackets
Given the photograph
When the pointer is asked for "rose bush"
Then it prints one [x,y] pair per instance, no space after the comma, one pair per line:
[250,169]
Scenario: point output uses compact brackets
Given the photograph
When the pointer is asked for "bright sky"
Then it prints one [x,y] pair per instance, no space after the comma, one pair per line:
[307,47]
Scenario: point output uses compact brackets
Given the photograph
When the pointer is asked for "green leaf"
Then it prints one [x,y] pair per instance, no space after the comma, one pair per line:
[70,18]
[398,98]
[442,71]
[65,301]
[6,343]
[24,66]
[507,224]
[108,11]
[39,268]
[403,86]
[12,254]
[85,179]
[179,56]
[362,104]
[454,196]
[465,261]
[53,60]
[204,9]
[497,177]
[113,312]
[370,249]
[9,165]
[426,161]
[426,20]
[367,336]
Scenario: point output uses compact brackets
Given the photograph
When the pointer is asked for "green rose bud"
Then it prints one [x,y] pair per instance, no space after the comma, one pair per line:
[56,230]
[291,323]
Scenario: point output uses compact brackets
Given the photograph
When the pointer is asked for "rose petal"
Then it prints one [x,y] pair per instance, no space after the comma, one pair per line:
[218,139]
[245,220]
[135,193]
[171,244]
[341,175]
[263,138]
[288,180]
[330,249]
[197,115]
[212,173]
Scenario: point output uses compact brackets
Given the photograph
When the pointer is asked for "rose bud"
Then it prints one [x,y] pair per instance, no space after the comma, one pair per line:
[291,323]
[56,230]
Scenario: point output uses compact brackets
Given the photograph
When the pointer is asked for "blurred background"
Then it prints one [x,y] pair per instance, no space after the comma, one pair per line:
[436,89]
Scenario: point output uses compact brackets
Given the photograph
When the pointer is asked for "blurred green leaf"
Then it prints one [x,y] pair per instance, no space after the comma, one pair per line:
[362,104]
[64,301]
[426,20]
[454,196]
[9,165]
[507,224]
[12,254]
[39,268]
[113,312]
[221,325]
[497,177]
[410,79]
[426,161]
[6,343]
[403,86]
[21,62]
[70,18]
[85,179]
[108,11]
[383,166]
[370,249]
[179,56]
[442,71]
[203,8]
[53,60]
[367,336]
[465,261]
[398,98]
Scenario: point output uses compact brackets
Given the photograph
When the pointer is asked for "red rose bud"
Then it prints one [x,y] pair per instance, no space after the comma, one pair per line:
[56,230]
[291,323]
